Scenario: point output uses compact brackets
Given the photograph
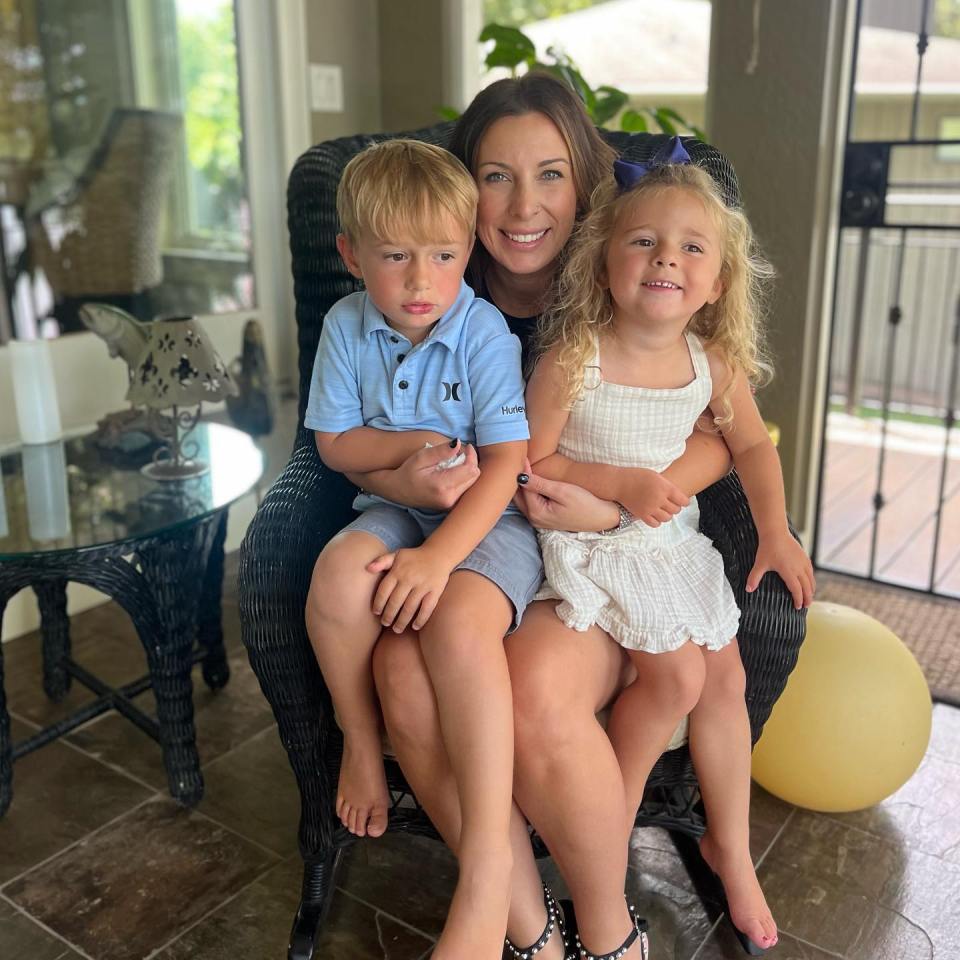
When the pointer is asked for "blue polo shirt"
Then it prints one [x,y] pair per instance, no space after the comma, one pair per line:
[463,380]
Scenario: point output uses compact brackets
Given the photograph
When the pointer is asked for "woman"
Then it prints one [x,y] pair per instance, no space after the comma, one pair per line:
[536,157]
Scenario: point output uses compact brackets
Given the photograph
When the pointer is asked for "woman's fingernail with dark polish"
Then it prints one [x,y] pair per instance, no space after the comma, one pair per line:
[522,478]
[454,442]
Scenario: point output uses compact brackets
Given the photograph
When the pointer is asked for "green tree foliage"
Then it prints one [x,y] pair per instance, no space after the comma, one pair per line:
[946,18]
[517,13]
[208,74]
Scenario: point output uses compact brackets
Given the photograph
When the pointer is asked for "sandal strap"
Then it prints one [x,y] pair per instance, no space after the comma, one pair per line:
[554,919]
[638,931]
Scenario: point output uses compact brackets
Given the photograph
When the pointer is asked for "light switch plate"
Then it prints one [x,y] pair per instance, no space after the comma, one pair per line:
[326,88]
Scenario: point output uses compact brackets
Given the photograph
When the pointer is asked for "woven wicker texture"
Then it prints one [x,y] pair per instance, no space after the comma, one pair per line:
[308,504]
[104,237]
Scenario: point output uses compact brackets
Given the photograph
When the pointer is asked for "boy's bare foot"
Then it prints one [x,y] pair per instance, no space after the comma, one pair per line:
[477,922]
[362,797]
[749,912]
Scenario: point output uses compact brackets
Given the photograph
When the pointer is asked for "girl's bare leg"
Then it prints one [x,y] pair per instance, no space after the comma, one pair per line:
[413,724]
[645,715]
[343,631]
[720,748]
[462,645]
[567,779]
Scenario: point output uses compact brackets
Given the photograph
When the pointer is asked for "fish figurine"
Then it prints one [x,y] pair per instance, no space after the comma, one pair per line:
[252,409]
[124,335]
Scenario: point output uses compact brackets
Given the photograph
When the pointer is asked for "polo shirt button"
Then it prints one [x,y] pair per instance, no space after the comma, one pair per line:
[400,357]
[394,339]
[403,384]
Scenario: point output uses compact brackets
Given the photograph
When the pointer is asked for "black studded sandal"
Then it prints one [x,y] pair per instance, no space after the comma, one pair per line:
[639,932]
[555,920]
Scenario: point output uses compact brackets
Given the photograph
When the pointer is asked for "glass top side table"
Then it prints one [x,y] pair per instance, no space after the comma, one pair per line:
[68,511]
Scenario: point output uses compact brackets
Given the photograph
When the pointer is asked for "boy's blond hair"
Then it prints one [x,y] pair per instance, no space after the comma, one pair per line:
[405,185]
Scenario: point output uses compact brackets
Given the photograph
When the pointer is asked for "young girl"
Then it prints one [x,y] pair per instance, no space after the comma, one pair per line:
[657,320]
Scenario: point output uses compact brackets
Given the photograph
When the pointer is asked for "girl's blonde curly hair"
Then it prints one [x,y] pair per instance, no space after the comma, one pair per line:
[583,307]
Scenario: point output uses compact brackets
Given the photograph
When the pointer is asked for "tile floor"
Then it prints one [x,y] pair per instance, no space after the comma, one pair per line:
[97,862]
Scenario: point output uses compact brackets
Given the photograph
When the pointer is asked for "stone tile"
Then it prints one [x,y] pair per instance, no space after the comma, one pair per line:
[257,922]
[59,796]
[945,735]
[21,937]
[134,885]
[659,886]
[859,895]
[252,791]
[923,814]
[767,815]
[723,945]
[405,876]
[223,718]
[104,642]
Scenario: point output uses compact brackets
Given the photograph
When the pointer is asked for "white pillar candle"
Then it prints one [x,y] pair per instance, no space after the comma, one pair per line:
[34,391]
[45,483]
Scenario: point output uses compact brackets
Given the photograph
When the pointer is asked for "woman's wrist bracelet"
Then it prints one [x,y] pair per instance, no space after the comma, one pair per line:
[626,518]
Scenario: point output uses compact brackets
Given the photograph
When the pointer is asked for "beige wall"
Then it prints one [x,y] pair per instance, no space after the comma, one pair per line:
[781,125]
[412,62]
[347,32]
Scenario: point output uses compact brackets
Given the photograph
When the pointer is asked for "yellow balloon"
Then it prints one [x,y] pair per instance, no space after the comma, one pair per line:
[854,720]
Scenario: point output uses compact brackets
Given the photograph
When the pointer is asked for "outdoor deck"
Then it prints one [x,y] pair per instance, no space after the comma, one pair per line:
[914,467]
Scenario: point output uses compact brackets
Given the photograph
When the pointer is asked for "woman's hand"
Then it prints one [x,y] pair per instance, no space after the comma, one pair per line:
[554,505]
[418,483]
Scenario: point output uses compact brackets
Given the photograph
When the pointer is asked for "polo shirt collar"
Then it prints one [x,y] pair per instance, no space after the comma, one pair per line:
[447,331]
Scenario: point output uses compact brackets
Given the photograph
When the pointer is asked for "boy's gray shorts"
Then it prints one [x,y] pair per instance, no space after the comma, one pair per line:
[509,554]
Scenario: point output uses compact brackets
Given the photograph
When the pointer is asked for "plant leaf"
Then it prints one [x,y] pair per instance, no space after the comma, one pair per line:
[664,121]
[633,122]
[610,101]
[511,46]
[448,113]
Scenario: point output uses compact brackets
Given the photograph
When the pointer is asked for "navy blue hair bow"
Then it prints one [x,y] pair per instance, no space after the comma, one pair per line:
[627,173]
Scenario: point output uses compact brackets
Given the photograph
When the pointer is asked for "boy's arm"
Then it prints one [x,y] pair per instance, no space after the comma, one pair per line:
[414,580]
[758,467]
[362,449]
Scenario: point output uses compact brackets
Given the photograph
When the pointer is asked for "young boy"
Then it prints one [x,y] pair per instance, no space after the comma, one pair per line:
[416,359]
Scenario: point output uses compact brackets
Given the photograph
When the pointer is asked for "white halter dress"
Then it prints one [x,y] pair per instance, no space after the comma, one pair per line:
[650,588]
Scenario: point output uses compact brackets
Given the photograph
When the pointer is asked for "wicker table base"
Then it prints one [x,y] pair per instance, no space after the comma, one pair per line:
[170,585]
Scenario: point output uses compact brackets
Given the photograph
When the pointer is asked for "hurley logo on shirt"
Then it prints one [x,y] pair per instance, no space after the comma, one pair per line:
[512,411]
[451,391]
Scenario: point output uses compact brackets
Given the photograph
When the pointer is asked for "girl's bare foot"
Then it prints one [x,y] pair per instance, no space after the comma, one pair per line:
[748,908]
[477,922]
[362,797]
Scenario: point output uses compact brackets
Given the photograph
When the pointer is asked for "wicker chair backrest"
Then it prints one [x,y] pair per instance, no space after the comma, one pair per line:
[319,276]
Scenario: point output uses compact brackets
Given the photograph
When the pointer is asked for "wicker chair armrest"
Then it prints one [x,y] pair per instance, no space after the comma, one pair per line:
[771,630]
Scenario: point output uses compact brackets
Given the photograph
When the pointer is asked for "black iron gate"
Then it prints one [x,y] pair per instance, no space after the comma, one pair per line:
[889,500]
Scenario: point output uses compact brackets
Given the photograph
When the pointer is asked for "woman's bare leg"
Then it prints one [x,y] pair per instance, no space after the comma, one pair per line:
[647,712]
[413,724]
[343,631]
[567,779]
[720,748]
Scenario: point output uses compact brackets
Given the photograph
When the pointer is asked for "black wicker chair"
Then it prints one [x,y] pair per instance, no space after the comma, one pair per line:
[308,504]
